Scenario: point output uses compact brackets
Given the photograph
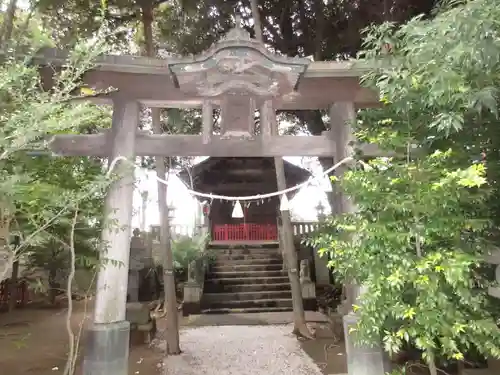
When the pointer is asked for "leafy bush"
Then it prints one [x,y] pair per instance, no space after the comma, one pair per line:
[187,249]
[417,239]
[415,243]
[39,193]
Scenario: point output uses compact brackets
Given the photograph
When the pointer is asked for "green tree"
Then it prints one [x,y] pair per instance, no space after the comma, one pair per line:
[29,115]
[54,178]
[416,244]
[417,240]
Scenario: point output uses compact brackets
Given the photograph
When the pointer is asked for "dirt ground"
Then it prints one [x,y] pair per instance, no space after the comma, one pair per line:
[34,341]
[325,352]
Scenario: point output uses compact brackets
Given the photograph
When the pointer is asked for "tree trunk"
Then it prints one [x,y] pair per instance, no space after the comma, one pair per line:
[257,27]
[13,286]
[292,261]
[53,286]
[6,254]
[147,28]
[319,9]
[432,363]
[172,337]
[299,316]
[8,24]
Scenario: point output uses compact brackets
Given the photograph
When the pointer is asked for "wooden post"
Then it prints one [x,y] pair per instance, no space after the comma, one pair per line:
[167,256]
[14,279]
[360,359]
[108,337]
[6,255]
[207,121]
[269,115]
[266,118]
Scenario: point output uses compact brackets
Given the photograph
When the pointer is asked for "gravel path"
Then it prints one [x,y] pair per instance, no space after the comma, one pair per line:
[240,350]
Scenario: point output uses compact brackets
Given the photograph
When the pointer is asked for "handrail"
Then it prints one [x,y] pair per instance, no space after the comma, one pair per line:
[249,231]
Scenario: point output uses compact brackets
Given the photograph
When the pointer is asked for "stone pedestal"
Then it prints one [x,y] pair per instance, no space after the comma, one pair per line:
[140,260]
[107,349]
[133,286]
[362,360]
[308,287]
[309,296]
[192,298]
[321,269]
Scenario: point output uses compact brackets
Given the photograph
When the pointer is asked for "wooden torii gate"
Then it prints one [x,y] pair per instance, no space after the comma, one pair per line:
[239,76]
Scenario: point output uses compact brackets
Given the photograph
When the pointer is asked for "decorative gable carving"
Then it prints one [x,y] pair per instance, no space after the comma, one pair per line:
[238,74]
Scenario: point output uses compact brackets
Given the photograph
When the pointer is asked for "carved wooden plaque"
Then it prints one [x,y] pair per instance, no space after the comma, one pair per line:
[238,112]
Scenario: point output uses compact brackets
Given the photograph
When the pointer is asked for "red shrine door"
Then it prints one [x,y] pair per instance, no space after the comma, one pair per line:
[258,224]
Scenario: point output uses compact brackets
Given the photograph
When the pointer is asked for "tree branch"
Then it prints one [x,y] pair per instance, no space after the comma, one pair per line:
[319,9]
[69,367]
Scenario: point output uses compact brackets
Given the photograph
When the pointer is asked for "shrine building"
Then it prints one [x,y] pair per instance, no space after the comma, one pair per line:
[243,176]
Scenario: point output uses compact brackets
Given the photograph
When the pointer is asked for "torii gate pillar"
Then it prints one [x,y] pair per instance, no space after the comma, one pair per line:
[107,347]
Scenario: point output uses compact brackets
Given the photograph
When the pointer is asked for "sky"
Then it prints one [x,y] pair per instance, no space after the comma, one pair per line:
[303,205]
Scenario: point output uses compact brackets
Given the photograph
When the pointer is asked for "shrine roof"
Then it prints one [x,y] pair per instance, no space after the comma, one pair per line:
[200,172]
[150,65]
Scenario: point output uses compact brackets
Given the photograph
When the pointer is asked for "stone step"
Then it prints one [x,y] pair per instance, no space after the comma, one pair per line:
[247,304]
[246,268]
[213,298]
[246,279]
[246,311]
[245,288]
[249,280]
[250,261]
[243,274]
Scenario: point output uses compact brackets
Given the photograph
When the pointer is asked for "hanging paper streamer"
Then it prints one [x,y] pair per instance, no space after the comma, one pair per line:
[284,204]
[237,211]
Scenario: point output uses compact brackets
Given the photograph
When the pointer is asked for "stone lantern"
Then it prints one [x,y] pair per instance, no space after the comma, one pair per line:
[171,212]
[320,209]
[171,209]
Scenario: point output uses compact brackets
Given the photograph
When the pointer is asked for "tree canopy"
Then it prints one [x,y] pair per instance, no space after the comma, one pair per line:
[39,192]
[424,221]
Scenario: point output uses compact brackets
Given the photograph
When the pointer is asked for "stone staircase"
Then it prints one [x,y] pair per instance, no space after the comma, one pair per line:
[246,279]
